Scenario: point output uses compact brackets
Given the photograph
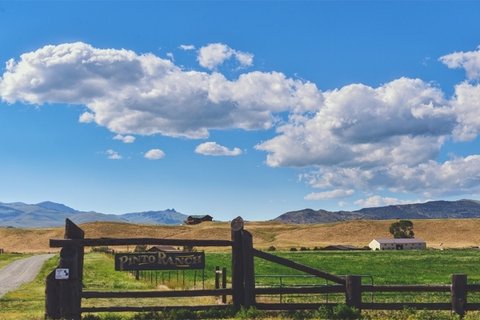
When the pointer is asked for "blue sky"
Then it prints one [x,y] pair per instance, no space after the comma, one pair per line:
[239,108]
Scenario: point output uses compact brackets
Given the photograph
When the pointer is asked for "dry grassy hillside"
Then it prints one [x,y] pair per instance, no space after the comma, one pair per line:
[452,233]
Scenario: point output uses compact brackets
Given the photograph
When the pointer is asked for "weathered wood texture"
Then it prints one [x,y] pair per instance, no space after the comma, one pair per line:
[353,291]
[155,294]
[292,306]
[154,308]
[224,283]
[300,290]
[57,243]
[459,293]
[238,296]
[406,288]
[249,270]
[63,296]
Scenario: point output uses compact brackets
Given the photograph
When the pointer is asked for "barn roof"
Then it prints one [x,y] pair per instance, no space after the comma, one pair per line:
[399,240]
[196,216]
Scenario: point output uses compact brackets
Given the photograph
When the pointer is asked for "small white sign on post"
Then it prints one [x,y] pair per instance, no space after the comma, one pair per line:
[62,274]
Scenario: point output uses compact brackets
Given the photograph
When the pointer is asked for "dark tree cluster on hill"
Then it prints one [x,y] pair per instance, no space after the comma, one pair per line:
[402,229]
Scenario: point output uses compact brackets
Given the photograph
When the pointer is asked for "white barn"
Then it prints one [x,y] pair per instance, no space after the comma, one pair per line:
[397,244]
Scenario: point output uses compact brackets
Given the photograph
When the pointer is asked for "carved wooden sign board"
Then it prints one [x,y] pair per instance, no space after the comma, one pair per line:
[159,261]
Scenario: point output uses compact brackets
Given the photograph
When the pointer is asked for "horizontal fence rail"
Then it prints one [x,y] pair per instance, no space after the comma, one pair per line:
[59,243]
[292,306]
[156,294]
[154,308]
[406,288]
[300,290]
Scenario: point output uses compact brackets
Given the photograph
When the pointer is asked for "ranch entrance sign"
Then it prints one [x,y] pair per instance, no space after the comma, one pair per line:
[159,261]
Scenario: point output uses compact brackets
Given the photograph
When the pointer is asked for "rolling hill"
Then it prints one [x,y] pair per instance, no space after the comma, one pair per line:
[430,210]
[438,233]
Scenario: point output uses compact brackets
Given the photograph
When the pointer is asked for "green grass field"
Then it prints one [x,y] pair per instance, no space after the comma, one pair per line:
[395,267]
[399,267]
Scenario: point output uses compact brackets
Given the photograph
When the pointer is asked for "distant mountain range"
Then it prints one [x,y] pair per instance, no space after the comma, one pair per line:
[429,210]
[51,214]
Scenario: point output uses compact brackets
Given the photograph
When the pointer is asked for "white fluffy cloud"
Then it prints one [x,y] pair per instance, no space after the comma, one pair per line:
[356,137]
[125,139]
[428,179]
[143,94]
[466,104]
[113,155]
[187,47]
[333,194]
[470,61]
[378,201]
[154,154]
[403,121]
[466,101]
[215,54]
[86,117]
[214,149]
[385,138]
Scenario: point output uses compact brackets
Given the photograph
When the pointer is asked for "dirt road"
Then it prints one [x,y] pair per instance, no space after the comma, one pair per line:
[21,271]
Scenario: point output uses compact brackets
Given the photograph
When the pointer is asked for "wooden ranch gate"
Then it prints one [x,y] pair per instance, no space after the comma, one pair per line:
[64,291]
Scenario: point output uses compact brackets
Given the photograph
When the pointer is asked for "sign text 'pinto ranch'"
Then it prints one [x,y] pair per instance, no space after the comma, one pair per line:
[159,261]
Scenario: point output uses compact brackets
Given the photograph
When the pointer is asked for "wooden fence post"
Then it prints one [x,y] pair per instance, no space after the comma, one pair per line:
[249,269]
[72,231]
[224,283]
[217,277]
[63,295]
[237,264]
[353,291]
[52,299]
[459,293]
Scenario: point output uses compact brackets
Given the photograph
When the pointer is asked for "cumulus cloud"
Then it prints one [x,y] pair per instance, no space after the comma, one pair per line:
[154,154]
[333,194]
[384,138]
[356,137]
[187,47]
[125,139]
[470,61]
[215,54]
[113,155]
[131,93]
[214,149]
[378,201]
[402,121]
[429,179]
[86,117]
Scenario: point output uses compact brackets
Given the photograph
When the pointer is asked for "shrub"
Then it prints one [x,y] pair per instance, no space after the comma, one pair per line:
[250,313]
[140,248]
[293,249]
[216,313]
[339,312]
[271,248]
[304,249]
[104,249]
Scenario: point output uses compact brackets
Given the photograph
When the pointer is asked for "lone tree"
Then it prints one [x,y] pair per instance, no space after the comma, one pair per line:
[402,229]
